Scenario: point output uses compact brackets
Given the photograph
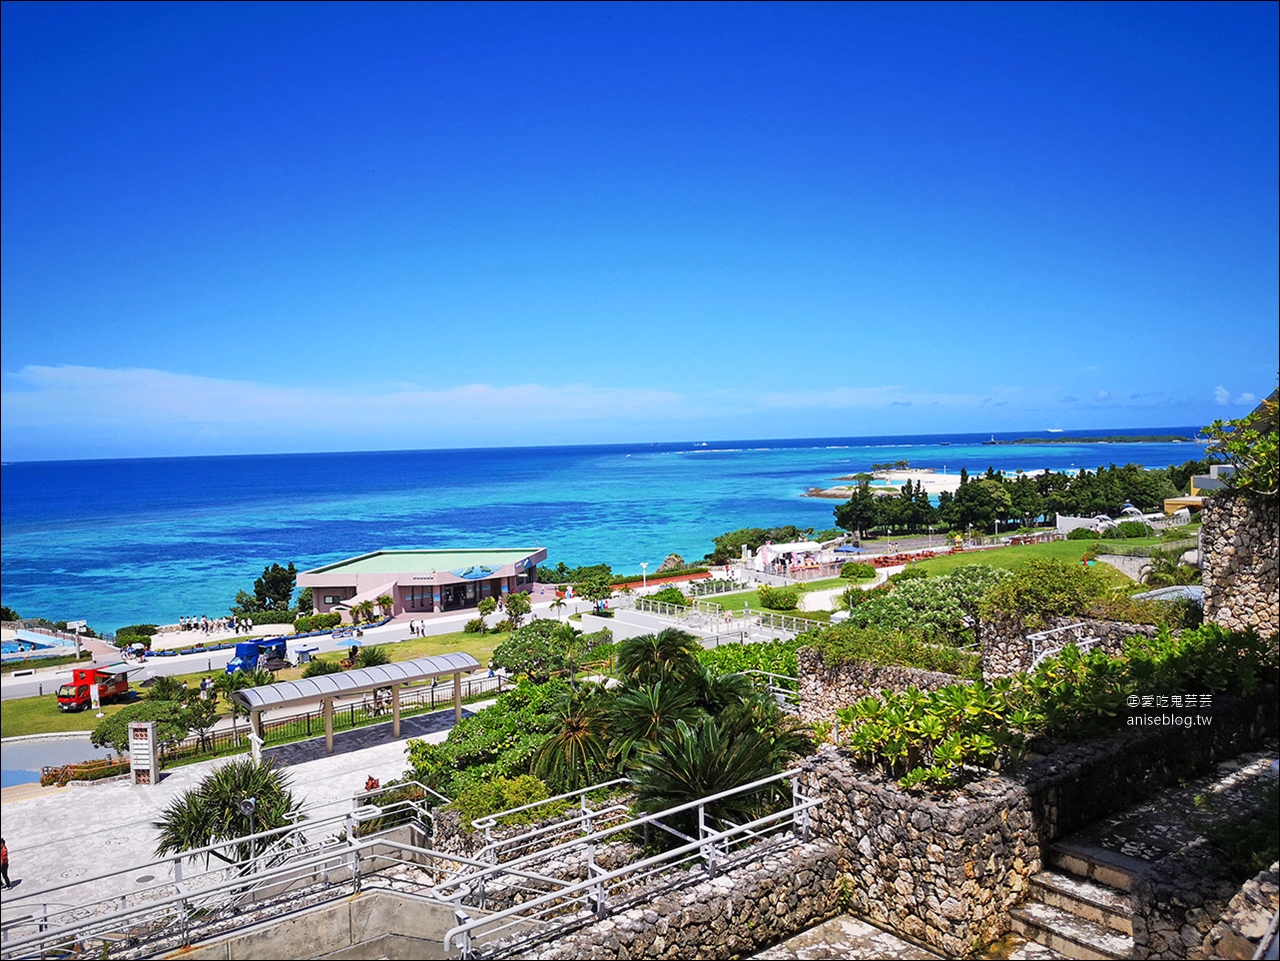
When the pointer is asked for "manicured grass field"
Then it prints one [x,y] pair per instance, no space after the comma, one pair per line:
[40,715]
[1068,552]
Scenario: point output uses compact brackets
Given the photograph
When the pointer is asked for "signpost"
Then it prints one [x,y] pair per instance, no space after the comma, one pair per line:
[79,626]
[144,753]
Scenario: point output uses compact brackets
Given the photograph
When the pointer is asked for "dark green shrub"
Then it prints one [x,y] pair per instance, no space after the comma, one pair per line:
[315,667]
[484,798]
[858,571]
[372,657]
[1082,534]
[670,595]
[474,626]
[138,630]
[908,573]
[778,598]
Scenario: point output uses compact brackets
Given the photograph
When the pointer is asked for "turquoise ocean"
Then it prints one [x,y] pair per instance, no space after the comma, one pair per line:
[118,542]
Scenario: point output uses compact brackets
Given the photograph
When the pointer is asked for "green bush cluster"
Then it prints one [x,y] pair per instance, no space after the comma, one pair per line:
[474,626]
[841,643]
[317,667]
[775,657]
[1082,534]
[858,571]
[778,598]
[275,617]
[942,608]
[926,740]
[1127,529]
[670,595]
[483,798]
[498,741]
[1041,589]
[314,622]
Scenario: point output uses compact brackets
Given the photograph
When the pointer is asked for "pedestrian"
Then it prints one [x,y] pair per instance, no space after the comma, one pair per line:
[4,863]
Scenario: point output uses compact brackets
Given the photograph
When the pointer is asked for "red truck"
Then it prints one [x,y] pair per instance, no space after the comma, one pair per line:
[110,680]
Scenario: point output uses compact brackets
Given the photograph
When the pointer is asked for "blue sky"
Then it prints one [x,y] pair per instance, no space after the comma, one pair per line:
[235,228]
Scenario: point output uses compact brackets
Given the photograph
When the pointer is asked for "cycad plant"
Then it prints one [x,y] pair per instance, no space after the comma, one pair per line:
[216,811]
[712,755]
[575,753]
[648,657]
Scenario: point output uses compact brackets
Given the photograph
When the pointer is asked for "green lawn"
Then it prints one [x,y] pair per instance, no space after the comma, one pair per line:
[1068,552]
[40,715]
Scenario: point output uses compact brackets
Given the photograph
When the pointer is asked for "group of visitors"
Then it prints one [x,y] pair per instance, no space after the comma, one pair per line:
[216,625]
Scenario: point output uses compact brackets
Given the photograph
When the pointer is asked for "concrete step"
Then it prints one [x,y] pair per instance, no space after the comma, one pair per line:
[1111,868]
[1068,935]
[1085,899]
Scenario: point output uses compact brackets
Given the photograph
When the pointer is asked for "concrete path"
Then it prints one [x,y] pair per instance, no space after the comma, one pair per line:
[56,835]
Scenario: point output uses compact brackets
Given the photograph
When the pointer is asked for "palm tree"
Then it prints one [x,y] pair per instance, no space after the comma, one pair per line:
[364,610]
[214,811]
[641,715]
[575,751]
[372,657]
[224,685]
[558,605]
[649,656]
[715,755]
[385,604]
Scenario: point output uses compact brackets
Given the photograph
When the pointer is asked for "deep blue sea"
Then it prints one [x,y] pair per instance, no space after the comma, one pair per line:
[128,541]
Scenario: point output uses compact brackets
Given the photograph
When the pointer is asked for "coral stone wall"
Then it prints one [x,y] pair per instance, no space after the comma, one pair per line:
[735,914]
[1246,920]
[825,690]
[943,871]
[1006,650]
[1239,544]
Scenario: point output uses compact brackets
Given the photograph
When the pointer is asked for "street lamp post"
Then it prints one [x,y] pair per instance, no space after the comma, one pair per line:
[249,807]
[644,574]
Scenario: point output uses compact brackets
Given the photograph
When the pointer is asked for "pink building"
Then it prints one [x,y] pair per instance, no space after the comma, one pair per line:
[423,582]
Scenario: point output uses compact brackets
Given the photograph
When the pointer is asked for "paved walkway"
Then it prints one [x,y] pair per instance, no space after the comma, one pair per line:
[56,835]
[848,938]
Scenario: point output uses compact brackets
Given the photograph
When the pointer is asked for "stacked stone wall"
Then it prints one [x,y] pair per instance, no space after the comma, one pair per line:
[1006,650]
[1239,544]
[735,914]
[826,689]
[1247,919]
[943,871]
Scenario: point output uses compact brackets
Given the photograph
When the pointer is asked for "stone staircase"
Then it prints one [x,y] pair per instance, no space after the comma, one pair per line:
[1079,906]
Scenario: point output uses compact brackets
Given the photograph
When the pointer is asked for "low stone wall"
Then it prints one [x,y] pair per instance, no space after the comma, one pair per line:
[941,870]
[825,690]
[1247,919]
[1006,650]
[735,914]
[1239,544]
[1177,902]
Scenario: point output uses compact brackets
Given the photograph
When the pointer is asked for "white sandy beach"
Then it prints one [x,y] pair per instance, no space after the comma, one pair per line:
[888,482]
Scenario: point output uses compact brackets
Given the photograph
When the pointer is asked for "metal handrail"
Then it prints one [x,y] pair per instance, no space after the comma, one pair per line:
[594,887]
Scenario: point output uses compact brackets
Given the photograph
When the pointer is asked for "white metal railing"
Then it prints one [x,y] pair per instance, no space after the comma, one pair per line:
[199,905]
[713,847]
[1041,653]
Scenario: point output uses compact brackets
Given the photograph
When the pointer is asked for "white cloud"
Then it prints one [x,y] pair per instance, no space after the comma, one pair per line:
[1221,395]
[1246,398]
[1104,395]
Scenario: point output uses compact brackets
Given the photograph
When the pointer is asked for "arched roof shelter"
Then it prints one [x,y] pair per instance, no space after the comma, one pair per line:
[326,687]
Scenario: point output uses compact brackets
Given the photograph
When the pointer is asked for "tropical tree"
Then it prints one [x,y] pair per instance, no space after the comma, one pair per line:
[165,688]
[518,606]
[372,656]
[558,605]
[486,606]
[597,587]
[363,611]
[861,512]
[217,811]
[647,657]
[641,715]
[385,604]
[576,750]
[171,719]
[714,755]
[224,685]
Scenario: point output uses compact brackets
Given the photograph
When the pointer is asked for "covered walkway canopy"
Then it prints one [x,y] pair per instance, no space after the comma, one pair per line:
[324,688]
